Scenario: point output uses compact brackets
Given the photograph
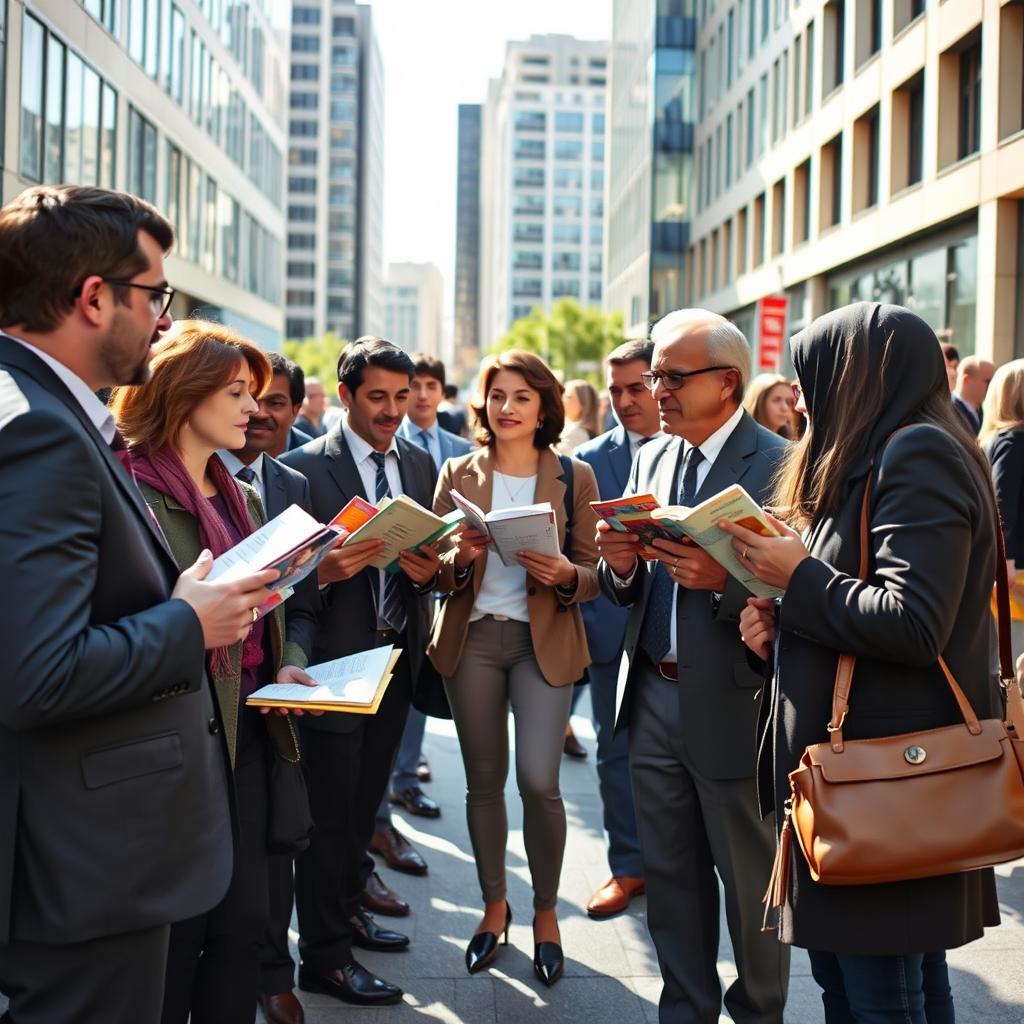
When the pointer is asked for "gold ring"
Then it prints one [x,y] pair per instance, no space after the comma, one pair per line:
[675,564]
[255,614]
[745,550]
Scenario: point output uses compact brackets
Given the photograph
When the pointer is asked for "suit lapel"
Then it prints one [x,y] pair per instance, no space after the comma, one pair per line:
[277,494]
[342,468]
[731,464]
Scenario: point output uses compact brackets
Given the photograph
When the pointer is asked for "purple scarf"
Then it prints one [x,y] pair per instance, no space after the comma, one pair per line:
[162,470]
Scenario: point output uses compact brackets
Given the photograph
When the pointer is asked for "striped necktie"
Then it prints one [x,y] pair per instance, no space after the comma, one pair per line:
[392,609]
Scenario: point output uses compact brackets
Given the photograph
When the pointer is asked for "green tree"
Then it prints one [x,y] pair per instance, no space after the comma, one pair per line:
[571,338]
[318,357]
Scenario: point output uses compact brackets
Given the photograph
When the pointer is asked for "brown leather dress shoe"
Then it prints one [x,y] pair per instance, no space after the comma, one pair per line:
[573,747]
[614,896]
[379,899]
[397,851]
[282,1008]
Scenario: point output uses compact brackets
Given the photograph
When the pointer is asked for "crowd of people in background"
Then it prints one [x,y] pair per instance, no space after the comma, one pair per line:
[139,791]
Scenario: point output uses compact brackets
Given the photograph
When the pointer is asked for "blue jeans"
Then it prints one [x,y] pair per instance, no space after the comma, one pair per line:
[909,989]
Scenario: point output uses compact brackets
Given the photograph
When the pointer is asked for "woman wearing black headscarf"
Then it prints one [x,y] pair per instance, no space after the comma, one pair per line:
[867,370]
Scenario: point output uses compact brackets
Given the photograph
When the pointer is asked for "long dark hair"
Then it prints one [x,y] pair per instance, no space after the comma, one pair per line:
[856,376]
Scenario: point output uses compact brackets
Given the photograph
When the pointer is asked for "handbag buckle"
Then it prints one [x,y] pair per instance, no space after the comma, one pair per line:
[836,728]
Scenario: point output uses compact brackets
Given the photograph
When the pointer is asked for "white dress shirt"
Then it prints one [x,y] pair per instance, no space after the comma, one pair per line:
[362,454]
[99,415]
[637,441]
[710,449]
[234,464]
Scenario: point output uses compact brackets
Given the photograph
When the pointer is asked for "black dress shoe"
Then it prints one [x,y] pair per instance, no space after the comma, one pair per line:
[415,801]
[351,983]
[548,962]
[483,947]
[367,934]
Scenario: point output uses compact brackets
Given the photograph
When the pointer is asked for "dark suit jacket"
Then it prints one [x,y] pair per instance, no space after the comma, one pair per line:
[345,612]
[928,590]
[1005,452]
[284,486]
[605,621]
[109,741]
[970,416]
[297,438]
[717,687]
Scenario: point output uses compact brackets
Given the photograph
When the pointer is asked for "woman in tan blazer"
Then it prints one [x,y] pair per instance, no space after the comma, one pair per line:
[513,636]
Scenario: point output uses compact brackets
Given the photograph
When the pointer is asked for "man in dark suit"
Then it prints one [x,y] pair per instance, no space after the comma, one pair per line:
[686,690]
[348,757]
[973,376]
[611,456]
[109,738]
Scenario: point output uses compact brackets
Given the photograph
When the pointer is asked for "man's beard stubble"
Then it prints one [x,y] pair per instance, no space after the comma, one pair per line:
[120,357]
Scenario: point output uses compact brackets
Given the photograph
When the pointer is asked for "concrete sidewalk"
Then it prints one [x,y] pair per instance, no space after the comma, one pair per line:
[611,972]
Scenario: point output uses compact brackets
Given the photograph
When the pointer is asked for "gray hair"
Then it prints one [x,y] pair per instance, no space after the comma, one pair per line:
[725,343]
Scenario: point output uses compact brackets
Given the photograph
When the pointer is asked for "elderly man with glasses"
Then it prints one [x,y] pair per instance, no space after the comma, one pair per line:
[685,690]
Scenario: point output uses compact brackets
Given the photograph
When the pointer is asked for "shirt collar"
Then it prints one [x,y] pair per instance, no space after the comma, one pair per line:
[635,438]
[712,447]
[234,463]
[98,414]
[361,449]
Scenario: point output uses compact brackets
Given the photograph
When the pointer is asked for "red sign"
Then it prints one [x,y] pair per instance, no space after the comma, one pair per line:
[771,330]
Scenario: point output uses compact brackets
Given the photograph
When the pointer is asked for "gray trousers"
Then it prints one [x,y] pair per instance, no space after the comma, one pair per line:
[691,827]
[498,670]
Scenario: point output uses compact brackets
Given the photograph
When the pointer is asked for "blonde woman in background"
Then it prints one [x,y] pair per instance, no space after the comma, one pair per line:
[581,416]
[1002,438]
[769,401]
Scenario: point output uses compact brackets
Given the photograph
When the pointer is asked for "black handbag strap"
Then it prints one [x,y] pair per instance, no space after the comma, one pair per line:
[847,662]
[569,503]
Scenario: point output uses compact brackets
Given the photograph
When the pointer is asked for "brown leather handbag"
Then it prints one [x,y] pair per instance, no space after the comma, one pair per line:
[926,803]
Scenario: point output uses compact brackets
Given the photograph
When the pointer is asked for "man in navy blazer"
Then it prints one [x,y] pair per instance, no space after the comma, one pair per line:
[420,426]
[611,457]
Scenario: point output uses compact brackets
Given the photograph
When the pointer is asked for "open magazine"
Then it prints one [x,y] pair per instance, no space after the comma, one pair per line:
[526,528]
[356,684]
[697,524]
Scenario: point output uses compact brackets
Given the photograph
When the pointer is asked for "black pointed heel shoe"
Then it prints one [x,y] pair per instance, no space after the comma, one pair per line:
[483,947]
[548,961]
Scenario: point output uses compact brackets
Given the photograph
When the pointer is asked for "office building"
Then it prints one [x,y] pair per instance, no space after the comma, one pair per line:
[650,159]
[414,307]
[335,172]
[181,104]
[466,354]
[542,180]
[863,150]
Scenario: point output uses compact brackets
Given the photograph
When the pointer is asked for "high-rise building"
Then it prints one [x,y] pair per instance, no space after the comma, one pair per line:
[542,180]
[650,158]
[467,243]
[414,306]
[865,150]
[182,104]
[335,172]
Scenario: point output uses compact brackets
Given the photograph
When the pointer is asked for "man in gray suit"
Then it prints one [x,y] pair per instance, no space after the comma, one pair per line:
[114,785]
[687,692]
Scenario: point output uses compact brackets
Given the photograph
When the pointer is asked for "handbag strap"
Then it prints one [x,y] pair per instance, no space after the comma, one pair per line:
[848,662]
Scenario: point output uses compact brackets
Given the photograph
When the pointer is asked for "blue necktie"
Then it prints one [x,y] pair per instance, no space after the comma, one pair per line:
[654,634]
[247,475]
[392,610]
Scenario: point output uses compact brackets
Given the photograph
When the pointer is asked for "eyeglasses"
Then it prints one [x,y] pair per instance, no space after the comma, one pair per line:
[673,380]
[797,392]
[160,296]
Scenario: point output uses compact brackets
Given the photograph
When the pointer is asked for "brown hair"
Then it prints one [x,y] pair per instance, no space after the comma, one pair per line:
[52,237]
[188,365]
[631,351]
[585,394]
[538,376]
[427,365]
[759,390]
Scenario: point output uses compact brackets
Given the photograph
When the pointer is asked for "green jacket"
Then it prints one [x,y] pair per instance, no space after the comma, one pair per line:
[182,533]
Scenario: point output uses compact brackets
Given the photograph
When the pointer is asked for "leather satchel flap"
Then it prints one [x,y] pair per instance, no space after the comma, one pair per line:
[916,753]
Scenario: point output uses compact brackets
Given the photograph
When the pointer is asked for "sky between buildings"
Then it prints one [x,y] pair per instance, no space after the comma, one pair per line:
[438,54]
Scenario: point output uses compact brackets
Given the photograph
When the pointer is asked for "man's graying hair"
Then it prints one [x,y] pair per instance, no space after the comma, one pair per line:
[726,345]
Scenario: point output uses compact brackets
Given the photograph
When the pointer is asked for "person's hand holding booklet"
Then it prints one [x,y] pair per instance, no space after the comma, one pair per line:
[529,528]
[643,516]
[355,684]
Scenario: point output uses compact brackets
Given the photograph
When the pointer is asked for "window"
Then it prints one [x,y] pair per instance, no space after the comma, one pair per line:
[527,259]
[729,50]
[802,202]
[562,287]
[567,177]
[908,133]
[809,70]
[301,185]
[305,15]
[343,56]
[597,179]
[144,34]
[969,120]
[831,175]
[33,42]
[568,206]
[865,160]
[527,287]
[105,12]
[343,26]
[304,101]
[173,60]
[301,241]
[141,156]
[869,29]
[529,177]
[759,230]
[833,65]
[530,121]
[530,149]
[728,150]
[568,149]
[528,205]
[305,72]
[303,129]
[798,69]
[904,12]
[778,217]
[568,121]
[306,213]
[298,328]
[597,124]
[529,232]
[565,261]
[1011,84]
[750,127]
[597,151]
[762,135]
[301,269]
[305,44]
[567,234]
